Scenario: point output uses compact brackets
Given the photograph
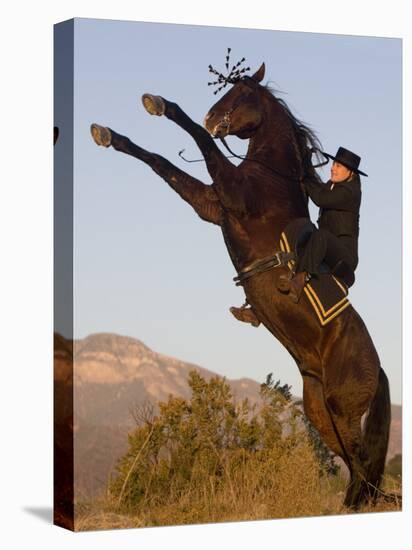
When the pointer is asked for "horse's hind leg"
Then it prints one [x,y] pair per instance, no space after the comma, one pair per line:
[341,433]
[317,412]
[347,402]
[350,376]
[348,428]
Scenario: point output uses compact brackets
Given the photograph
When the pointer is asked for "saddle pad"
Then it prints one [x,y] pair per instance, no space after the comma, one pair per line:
[326,294]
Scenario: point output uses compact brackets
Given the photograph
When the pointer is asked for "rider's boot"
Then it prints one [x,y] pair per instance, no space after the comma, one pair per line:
[293,285]
[245,314]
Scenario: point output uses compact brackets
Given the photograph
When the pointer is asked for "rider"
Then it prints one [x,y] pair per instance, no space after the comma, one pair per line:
[336,240]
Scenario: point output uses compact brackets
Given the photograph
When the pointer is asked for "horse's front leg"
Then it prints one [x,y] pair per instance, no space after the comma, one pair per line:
[224,174]
[200,196]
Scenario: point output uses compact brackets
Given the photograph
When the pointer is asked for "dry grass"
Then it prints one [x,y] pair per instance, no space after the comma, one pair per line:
[289,486]
[204,461]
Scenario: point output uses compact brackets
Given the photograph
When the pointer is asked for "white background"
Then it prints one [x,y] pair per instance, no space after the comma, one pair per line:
[26,272]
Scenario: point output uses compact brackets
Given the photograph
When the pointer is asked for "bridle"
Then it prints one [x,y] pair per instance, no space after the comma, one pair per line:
[225,123]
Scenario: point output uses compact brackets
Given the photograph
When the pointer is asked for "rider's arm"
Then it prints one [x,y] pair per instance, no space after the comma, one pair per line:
[340,197]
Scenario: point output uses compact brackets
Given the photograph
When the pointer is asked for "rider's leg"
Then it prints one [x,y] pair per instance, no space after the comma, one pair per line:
[322,247]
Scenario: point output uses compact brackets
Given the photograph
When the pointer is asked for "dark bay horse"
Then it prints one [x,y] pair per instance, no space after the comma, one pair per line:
[345,390]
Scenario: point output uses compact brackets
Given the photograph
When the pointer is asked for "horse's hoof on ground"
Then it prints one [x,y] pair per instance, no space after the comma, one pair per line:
[154,104]
[101,135]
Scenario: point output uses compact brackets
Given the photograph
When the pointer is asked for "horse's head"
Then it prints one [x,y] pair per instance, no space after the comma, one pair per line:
[239,112]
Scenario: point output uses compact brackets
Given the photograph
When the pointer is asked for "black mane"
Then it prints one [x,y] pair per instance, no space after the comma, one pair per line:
[307,140]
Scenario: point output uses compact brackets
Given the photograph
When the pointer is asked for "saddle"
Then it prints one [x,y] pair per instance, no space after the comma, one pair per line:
[327,292]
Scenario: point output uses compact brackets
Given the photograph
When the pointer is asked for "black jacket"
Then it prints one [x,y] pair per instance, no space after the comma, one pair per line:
[339,207]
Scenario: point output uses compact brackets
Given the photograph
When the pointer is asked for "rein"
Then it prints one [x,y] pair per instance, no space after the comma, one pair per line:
[312,150]
[276,172]
[244,157]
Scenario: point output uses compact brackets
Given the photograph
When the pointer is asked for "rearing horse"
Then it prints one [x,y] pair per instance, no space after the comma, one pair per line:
[345,390]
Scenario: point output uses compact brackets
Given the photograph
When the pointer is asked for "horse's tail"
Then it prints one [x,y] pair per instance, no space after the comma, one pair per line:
[376,433]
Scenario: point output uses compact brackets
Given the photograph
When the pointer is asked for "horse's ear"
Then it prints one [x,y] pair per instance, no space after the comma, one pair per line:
[259,74]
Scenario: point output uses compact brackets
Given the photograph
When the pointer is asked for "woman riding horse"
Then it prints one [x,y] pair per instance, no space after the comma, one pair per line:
[335,243]
[336,240]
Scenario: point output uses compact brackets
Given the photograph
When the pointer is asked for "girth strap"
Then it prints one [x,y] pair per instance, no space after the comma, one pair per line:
[258,266]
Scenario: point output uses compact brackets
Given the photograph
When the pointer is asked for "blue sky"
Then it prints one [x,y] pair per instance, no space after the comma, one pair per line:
[145,264]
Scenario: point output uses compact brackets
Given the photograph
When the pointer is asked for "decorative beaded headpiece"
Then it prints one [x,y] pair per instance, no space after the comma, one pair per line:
[232,77]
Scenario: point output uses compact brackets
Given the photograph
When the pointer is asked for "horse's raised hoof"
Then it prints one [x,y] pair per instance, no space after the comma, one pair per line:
[101,135]
[154,104]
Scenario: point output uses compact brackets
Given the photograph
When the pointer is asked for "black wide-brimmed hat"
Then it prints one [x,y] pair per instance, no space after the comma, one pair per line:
[348,159]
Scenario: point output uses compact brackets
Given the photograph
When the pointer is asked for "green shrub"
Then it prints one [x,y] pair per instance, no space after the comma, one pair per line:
[206,454]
